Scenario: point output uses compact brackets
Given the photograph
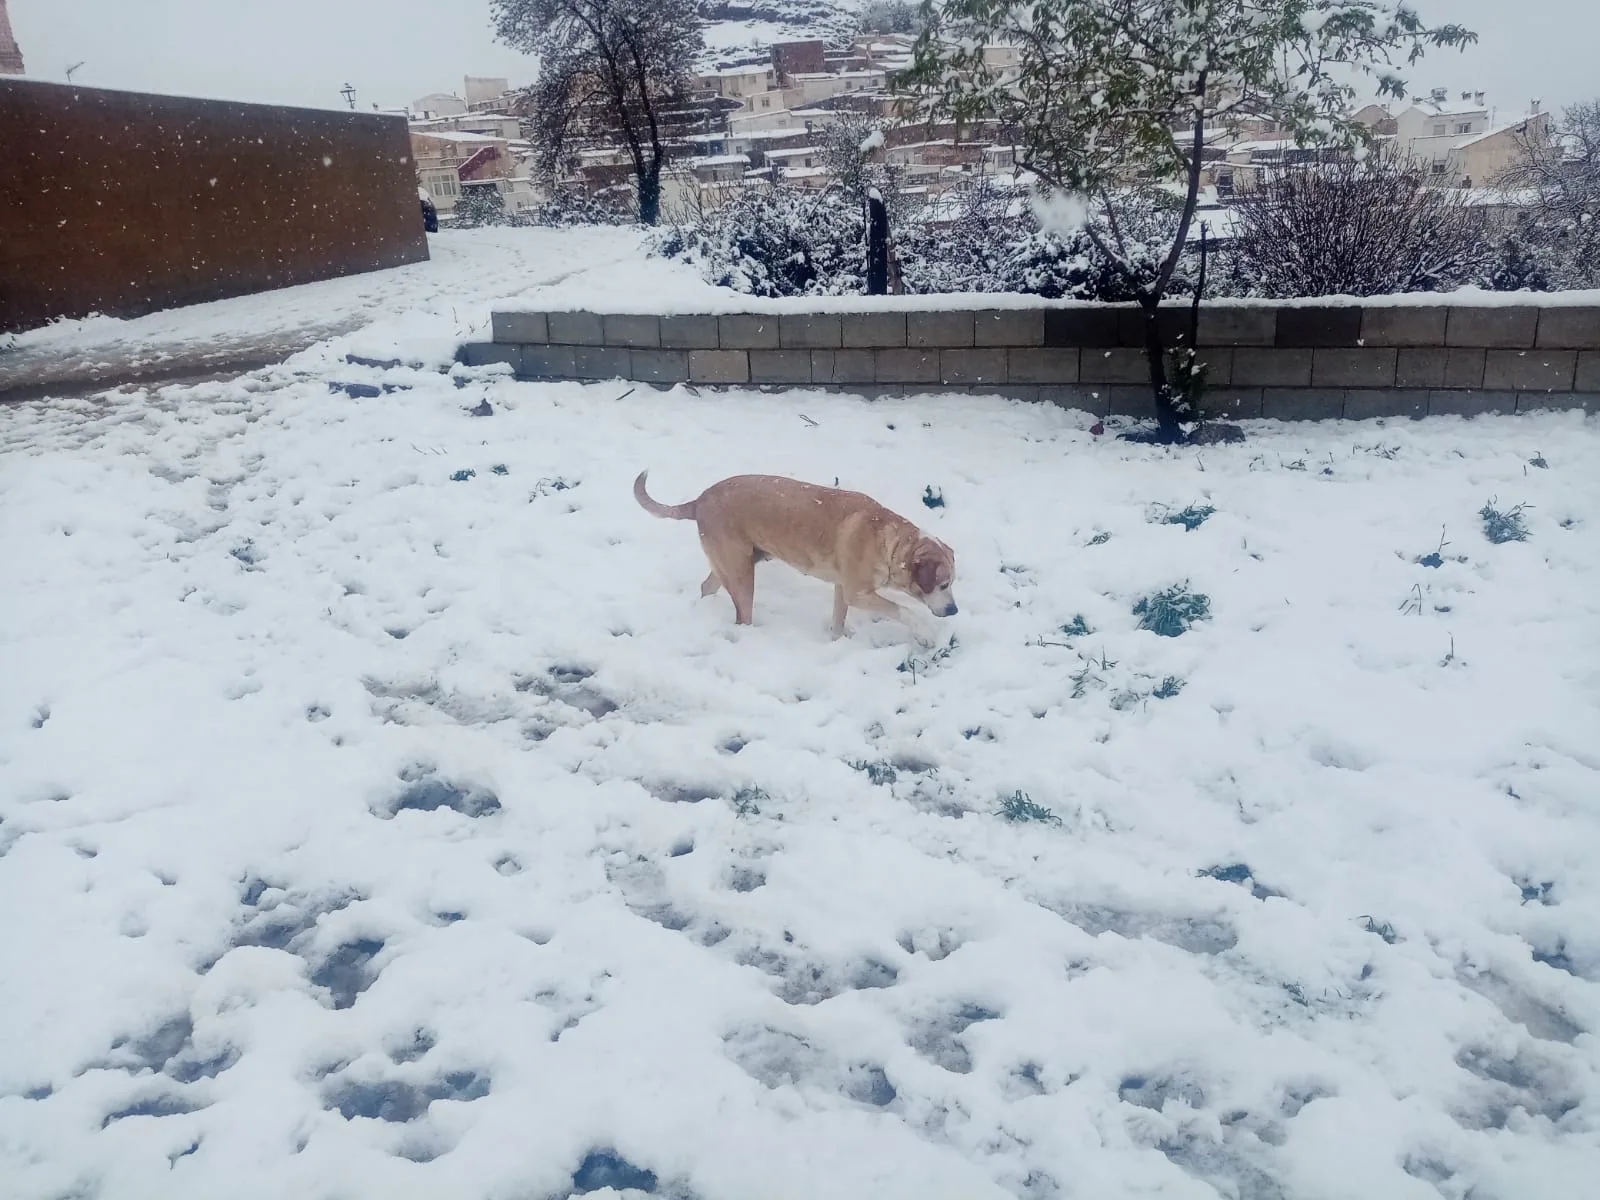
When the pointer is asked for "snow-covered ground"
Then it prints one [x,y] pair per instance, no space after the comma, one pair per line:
[384,814]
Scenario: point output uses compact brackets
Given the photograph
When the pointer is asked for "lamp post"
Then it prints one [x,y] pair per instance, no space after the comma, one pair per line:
[349,94]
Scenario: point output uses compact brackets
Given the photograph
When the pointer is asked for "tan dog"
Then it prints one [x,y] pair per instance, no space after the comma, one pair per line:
[846,538]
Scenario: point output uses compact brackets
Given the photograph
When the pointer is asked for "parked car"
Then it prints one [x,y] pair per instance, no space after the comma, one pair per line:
[430,214]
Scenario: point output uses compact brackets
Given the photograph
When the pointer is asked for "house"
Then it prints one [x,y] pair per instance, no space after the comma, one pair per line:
[1481,159]
[1429,130]
[807,57]
[446,160]
[439,104]
[736,83]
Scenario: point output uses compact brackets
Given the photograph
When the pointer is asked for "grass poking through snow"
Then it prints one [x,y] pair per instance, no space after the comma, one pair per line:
[1171,612]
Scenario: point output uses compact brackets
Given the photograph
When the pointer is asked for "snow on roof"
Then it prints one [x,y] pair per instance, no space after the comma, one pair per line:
[1265,146]
[718,160]
[446,136]
[804,172]
[795,152]
[1489,133]
[1450,109]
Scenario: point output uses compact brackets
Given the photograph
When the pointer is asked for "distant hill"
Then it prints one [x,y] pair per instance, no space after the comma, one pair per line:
[738,30]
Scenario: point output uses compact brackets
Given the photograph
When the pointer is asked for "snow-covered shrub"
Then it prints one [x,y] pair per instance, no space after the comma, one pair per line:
[480,205]
[787,243]
[781,243]
[1352,227]
[566,207]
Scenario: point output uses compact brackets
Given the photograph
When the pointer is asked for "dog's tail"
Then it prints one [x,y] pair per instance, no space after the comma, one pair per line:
[675,512]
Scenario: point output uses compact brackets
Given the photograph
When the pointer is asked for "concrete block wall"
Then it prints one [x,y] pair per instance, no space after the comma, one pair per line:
[1288,362]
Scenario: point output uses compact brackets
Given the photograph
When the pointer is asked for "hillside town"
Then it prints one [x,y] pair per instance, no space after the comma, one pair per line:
[757,121]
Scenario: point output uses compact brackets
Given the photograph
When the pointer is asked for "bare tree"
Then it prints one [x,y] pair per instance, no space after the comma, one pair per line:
[1354,227]
[1560,169]
[612,73]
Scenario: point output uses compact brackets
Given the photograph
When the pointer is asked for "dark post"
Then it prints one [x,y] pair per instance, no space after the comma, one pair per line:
[877,245]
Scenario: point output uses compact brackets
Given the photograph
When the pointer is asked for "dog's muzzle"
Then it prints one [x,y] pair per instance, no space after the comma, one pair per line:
[949,610]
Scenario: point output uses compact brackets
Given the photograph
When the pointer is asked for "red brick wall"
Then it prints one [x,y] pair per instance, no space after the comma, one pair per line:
[123,203]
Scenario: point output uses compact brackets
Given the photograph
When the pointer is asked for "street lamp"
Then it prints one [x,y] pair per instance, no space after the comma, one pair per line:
[349,94]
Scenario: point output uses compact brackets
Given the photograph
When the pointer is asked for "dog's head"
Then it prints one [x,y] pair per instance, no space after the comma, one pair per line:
[932,569]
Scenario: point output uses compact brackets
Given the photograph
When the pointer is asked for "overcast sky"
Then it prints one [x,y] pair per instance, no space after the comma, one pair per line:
[393,51]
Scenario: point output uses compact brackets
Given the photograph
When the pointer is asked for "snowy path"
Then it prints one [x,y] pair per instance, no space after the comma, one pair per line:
[433,303]
[366,832]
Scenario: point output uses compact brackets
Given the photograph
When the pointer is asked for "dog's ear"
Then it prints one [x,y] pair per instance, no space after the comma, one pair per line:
[925,572]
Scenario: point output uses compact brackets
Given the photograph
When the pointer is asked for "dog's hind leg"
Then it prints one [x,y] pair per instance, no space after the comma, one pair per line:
[734,567]
[711,586]
[840,607]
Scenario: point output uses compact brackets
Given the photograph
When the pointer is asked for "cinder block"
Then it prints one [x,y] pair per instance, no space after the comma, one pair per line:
[939,329]
[1271,368]
[1399,325]
[744,331]
[1492,328]
[1361,404]
[971,367]
[1565,329]
[1082,327]
[1303,404]
[1463,368]
[1420,368]
[576,329]
[1076,397]
[809,331]
[1127,400]
[689,332]
[719,366]
[1530,370]
[1353,368]
[481,354]
[1231,403]
[908,366]
[1558,401]
[1313,327]
[1230,326]
[522,328]
[874,330]
[547,362]
[634,332]
[660,366]
[1123,365]
[1009,327]
[1042,365]
[844,366]
[780,366]
[1588,376]
[1470,403]
[601,362]
[1174,324]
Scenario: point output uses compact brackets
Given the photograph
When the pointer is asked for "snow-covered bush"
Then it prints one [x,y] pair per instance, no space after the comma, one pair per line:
[781,243]
[566,208]
[480,204]
[1357,226]
[787,243]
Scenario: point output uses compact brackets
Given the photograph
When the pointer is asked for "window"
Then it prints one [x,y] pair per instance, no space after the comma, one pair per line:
[1464,127]
[1439,168]
[1225,184]
[1438,130]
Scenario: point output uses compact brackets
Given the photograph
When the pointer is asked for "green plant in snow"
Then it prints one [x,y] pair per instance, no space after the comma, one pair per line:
[1019,807]
[1501,527]
[1170,612]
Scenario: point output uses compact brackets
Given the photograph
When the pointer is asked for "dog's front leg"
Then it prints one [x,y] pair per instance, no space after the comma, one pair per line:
[885,607]
[840,607]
